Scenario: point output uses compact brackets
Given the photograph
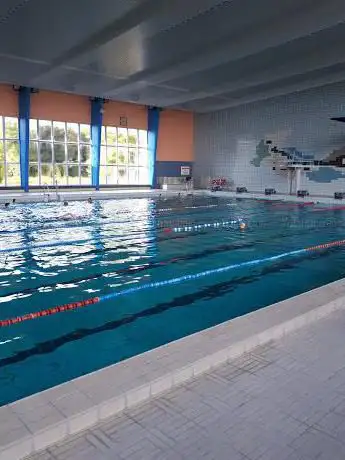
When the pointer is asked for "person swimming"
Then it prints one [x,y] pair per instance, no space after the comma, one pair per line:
[68,216]
[89,200]
[7,205]
[65,203]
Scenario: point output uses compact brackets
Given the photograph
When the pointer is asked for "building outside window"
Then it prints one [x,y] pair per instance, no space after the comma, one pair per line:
[9,152]
[124,157]
[59,153]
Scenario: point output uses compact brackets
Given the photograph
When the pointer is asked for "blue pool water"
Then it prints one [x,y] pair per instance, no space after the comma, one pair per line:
[46,261]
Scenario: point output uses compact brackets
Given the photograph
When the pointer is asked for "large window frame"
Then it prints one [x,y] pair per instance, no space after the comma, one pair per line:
[59,154]
[124,158]
[9,152]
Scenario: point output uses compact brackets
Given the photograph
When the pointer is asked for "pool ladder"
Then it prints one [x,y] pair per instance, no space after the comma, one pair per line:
[46,192]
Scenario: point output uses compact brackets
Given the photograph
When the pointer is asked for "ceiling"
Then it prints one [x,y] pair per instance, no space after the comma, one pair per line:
[200,55]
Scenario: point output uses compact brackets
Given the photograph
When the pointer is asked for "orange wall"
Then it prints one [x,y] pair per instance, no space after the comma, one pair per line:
[47,105]
[175,140]
[136,114]
[8,101]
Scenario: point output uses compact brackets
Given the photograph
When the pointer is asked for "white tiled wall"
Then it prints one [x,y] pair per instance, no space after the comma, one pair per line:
[226,141]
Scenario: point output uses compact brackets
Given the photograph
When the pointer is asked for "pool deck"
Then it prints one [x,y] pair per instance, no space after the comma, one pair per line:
[282,401]
[107,194]
[44,419]
[82,195]
[277,197]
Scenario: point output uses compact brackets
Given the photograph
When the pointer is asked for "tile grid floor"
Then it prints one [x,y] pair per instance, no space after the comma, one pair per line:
[283,401]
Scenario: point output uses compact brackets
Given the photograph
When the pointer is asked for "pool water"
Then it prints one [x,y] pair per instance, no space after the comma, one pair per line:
[119,245]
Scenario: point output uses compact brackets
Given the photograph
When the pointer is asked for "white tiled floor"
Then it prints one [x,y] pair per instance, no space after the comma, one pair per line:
[284,401]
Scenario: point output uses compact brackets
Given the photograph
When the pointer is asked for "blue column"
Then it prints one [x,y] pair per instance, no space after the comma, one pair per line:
[24,135]
[152,142]
[96,133]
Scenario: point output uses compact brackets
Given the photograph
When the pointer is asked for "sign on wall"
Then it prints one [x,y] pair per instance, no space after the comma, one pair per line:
[185,170]
[123,121]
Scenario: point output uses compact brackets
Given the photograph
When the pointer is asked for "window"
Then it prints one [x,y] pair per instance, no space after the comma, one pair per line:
[59,153]
[124,157]
[9,152]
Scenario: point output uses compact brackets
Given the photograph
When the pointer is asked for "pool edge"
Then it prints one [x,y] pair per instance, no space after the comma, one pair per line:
[41,420]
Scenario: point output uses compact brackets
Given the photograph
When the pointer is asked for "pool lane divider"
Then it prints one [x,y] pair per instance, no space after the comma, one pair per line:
[193,228]
[169,282]
[333,208]
[137,268]
[103,222]
[30,246]
[293,205]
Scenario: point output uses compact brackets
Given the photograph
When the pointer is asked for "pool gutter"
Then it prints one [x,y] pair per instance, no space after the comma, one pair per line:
[41,420]
[82,195]
[277,197]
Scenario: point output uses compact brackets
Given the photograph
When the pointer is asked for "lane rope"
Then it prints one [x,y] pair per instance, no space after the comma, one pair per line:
[30,246]
[192,228]
[333,208]
[293,205]
[157,284]
[69,223]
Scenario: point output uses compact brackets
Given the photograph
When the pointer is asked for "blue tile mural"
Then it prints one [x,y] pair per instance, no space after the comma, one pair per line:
[262,151]
[325,174]
[233,142]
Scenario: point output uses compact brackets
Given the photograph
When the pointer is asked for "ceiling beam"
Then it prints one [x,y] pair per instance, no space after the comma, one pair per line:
[308,83]
[133,18]
[323,56]
[312,16]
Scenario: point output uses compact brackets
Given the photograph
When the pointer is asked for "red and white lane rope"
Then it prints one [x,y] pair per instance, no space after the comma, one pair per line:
[157,284]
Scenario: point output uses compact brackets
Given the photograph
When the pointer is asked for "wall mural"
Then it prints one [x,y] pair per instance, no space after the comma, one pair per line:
[262,151]
[328,169]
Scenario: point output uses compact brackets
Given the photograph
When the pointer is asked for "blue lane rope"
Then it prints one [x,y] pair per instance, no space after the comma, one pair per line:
[203,274]
[102,222]
[172,281]
[30,246]
[192,228]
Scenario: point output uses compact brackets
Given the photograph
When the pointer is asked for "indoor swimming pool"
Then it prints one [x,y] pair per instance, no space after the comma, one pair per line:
[88,285]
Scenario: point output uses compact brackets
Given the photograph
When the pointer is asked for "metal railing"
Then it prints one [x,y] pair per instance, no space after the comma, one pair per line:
[46,191]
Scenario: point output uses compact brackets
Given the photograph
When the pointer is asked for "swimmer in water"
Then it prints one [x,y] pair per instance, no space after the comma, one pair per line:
[65,203]
[89,200]
[243,226]
[69,216]
[7,205]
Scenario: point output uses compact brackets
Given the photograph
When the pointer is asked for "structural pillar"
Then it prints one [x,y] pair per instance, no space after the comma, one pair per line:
[298,179]
[24,97]
[96,133]
[153,115]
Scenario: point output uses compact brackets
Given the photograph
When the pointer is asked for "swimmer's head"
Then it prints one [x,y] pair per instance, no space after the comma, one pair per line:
[243,226]
[65,203]
[89,199]
[14,200]
[7,205]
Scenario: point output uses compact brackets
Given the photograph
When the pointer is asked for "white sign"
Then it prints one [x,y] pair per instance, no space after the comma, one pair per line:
[185,170]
